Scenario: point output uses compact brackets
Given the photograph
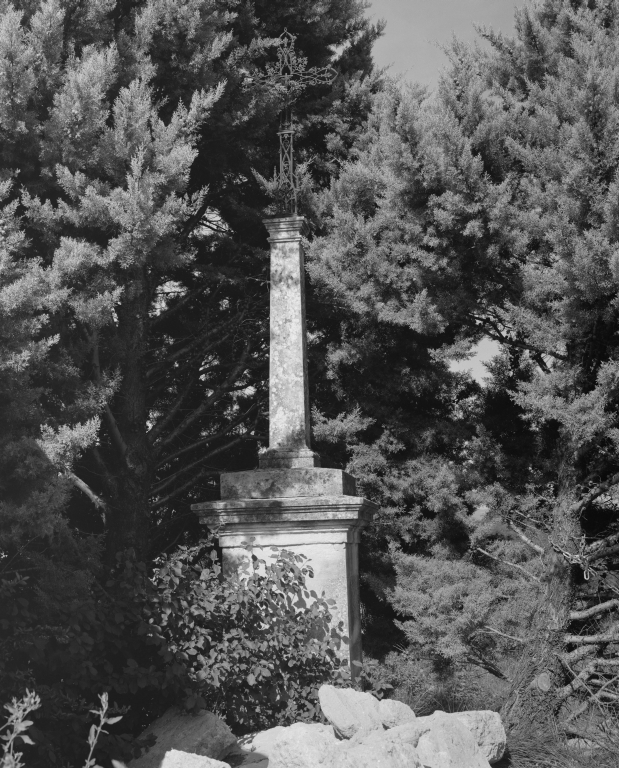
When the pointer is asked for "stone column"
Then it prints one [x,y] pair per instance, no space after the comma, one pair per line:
[289,410]
[291,502]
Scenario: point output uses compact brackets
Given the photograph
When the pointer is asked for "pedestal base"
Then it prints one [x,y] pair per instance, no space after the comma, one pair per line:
[323,528]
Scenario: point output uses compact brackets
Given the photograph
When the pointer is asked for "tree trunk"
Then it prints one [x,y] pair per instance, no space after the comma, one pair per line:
[128,519]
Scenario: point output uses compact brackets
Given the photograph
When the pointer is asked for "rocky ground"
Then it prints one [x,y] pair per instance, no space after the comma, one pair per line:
[362,732]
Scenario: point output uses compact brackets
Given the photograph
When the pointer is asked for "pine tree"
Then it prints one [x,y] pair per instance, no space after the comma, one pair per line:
[133,132]
[490,210]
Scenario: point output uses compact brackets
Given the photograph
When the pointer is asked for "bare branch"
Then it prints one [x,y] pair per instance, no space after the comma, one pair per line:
[610,636]
[197,341]
[219,392]
[168,481]
[573,657]
[181,488]
[579,681]
[507,562]
[589,612]
[600,489]
[494,631]
[495,332]
[180,304]
[522,535]
[164,422]
[211,438]
[602,547]
[87,490]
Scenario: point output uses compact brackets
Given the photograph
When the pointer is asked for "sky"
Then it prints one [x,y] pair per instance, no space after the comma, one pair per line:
[415,26]
[410,46]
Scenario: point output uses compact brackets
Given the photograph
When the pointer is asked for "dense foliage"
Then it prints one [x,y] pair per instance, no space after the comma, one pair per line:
[252,647]
[489,210]
[133,308]
[133,348]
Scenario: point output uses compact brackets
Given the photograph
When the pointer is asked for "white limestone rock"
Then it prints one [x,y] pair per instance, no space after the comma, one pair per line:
[202,734]
[302,745]
[376,749]
[177,759]
[488,731]
[445,741]
[394,713]
[349,711]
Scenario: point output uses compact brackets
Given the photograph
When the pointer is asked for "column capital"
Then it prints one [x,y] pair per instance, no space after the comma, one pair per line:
[286,228]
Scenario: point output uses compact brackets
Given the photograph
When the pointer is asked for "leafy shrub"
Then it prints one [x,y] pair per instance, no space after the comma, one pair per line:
[257,646]
[253,649]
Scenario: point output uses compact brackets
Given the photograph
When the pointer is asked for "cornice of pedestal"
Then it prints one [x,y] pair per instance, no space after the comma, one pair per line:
[313,510]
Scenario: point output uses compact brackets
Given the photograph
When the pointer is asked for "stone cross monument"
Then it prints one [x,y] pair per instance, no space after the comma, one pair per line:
[290,501]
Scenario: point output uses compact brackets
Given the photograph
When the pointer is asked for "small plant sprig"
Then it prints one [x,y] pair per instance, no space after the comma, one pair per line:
[16,727]
[96,729]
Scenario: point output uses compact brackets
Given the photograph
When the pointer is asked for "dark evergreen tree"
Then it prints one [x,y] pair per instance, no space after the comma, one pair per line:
[490,210]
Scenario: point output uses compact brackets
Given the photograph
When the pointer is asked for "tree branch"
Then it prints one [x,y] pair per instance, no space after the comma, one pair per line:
[573,657]
[164,422]
[181,488]
[600,548]
[211,438]
[579,681]
[522,535]
[589,612]
[168,481]
[221,390]
[180,304]
[585,502]
[502,634]
[507,562]
[610,636]
[195,342]
[87,490]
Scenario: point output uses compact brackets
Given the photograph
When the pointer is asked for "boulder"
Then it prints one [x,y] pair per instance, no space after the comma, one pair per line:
[349,711]
[302,745]
[488,731]
[376,749]
[177,759]
[444,741]
[202,734]
[393,713]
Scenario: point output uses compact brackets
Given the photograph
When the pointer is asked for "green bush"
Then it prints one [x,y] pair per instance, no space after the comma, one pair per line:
[252,649]
[256,647]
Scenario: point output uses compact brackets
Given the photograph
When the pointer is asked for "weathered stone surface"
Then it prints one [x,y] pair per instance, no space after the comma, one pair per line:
[177,759]
[488,731]
[349,711]
[301,745]
[202,734]
[376,749]
[394,713]
[289,414]
[444,742]
[286,483]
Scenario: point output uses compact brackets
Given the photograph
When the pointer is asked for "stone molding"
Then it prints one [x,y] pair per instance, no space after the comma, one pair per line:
[286,483]
[283,229]
[313,509]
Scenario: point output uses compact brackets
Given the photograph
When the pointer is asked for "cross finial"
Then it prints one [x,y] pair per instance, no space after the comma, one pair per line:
[292,73]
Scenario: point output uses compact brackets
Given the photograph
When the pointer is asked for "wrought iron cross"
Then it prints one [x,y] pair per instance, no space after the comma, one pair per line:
[291,71]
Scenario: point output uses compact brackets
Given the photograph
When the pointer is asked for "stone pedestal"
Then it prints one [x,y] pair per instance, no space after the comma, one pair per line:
[323,528]
[291,502]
